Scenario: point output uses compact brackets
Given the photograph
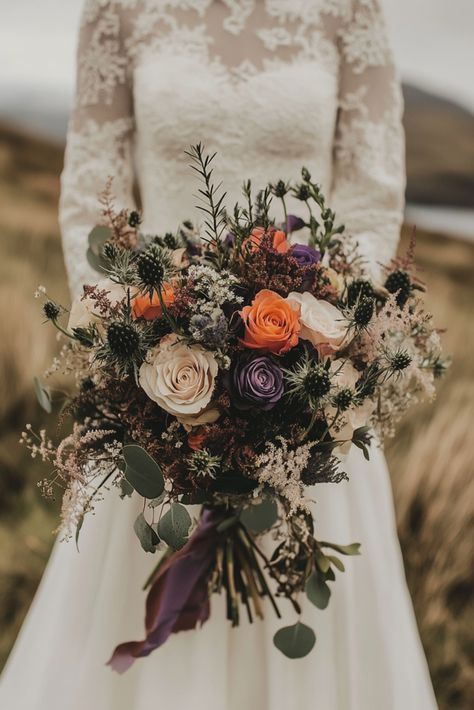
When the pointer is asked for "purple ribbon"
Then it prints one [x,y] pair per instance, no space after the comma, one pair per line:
[178,599]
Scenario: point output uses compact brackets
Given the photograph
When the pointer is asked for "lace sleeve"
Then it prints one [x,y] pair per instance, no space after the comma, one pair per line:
[99,136]
[369,170]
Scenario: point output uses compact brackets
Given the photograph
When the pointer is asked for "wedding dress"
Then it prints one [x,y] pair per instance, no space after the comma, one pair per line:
[270,85]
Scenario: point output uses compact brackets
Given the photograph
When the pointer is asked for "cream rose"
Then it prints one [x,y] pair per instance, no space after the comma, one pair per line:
[84,311]
[321,323]
[344,375]
[181,378]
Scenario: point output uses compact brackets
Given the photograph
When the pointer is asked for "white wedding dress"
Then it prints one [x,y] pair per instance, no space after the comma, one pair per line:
[271,85]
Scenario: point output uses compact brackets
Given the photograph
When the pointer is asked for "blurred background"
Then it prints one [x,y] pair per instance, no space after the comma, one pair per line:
[431,458]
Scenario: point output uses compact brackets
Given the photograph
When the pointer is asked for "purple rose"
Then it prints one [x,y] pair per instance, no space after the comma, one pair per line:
[258,381]
[304,255]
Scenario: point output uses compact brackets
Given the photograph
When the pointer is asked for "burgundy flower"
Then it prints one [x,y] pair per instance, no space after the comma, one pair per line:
[305,255]
[258,381]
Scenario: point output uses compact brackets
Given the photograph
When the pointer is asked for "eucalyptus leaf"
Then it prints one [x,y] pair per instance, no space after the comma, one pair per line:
[322,561]
[330,576]
[260,517]
[317,590]
[146,534]
[142,472]
[155,502]
[43,395]
[174,526]
[295,641]
[96,261]
[98,236]
[126,489]
[353,549]
[337,563]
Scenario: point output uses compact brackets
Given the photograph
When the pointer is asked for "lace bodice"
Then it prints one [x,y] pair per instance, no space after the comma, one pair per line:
[268,84]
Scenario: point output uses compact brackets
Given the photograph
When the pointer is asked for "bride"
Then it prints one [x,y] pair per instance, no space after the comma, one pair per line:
[270,85]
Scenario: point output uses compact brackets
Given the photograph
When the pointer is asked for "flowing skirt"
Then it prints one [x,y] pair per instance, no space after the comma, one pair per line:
[368,655]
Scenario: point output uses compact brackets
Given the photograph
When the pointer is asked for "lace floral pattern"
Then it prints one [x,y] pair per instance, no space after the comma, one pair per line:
[267,83]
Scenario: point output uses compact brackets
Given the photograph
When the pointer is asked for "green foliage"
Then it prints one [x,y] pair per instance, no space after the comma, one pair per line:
[97,239]
[260,517]
[43,395]
[174,526]
[142,472]
[148,537]
[295,641]
[317,590]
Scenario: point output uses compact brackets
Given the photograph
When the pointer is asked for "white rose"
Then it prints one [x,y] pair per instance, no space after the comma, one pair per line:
[181,378]
[345,375]
[84,311]
[321,323]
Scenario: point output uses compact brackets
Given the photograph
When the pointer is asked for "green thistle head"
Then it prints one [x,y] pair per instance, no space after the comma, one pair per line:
[364,311]
[357,289]
[123,340]
[399,360]
[51,311]
[399,282]
[344,399]
[152,265]
[203,464]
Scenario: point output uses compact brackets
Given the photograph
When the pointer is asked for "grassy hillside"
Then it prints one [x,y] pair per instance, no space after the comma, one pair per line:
[431,458]
[440,150]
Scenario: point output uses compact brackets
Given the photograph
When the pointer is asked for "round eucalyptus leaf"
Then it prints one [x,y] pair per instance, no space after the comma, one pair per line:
[295,641]
[317,590]
[174,526]
[96,261]
[146,534]
[142,472]
[98,236]
[260,517]
[43,395]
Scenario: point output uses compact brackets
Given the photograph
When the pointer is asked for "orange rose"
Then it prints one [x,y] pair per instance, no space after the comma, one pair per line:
[280,243]
[197,438]
[271,323]
[150,308]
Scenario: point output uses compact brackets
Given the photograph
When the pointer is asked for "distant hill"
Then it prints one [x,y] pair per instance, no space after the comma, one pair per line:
[440,150]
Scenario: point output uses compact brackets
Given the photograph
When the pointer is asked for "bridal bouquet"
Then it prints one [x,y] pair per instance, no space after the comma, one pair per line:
[232,369]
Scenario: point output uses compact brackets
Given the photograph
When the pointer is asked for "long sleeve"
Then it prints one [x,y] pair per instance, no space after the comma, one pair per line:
[99,143]
[369,164]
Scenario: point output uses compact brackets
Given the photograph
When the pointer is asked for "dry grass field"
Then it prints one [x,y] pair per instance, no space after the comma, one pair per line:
[431,458]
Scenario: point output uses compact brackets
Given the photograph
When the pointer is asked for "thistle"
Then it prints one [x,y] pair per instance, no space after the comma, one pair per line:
[399,360]
[363,311]
[399,282]
[357,289]
[203,464]
[152,265]
[51,311]
[134,219]
[308,382]
[124,347]
[344,399]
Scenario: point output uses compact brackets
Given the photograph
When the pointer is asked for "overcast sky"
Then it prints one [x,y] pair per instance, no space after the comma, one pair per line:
[433,42]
